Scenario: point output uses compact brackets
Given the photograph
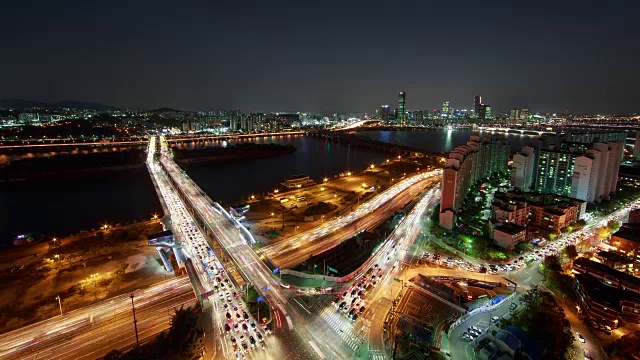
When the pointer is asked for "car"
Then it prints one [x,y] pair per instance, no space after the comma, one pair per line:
[494,319]
[361,310]
[252,341]
[354,317]
[586,354]
[581,338]
[228,316]
[244,346]
[234,341]
[227,328]
[467,337]
[513,306]
[245,328]
[342,304]
[245,315]
[286,286]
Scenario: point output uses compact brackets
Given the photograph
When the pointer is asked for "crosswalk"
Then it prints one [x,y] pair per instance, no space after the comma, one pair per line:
[341,326]
[377,356]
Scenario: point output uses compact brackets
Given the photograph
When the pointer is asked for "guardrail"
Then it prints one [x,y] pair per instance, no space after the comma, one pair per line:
[479,310]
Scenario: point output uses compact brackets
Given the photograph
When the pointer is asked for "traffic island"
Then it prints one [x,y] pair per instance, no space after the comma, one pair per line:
[258,306]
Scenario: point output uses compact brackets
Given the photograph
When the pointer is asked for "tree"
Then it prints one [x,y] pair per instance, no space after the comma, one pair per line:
[603,233]
[614,225]
[545,320]
[551,263]
[570,252]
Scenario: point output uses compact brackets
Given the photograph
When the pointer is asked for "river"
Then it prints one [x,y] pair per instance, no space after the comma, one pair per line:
[59,206]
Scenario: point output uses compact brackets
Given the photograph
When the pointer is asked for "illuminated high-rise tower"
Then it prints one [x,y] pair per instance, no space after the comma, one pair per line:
[477,100]
[401,115]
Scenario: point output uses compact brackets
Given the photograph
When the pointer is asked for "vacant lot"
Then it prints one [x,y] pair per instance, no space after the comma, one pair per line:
[81,269]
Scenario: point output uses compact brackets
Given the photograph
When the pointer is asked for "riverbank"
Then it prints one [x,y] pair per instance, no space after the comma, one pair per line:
[82,269]
[72,164]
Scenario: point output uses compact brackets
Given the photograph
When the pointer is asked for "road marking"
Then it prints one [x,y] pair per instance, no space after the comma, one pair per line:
[315,347]
[302,306]
[289,322]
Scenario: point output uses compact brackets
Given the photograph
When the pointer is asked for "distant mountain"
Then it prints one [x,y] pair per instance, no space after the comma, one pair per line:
[82,105]
[164,109]
[25,104]
[21,104]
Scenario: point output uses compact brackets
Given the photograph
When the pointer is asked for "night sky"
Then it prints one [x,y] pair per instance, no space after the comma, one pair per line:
[324,56]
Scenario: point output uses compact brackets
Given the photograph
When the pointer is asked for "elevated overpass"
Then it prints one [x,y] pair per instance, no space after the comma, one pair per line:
[230,239]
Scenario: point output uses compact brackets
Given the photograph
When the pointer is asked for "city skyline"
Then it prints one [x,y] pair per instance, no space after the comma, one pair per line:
[274,57]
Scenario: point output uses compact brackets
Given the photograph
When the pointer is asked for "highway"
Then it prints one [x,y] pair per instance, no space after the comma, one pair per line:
[92,331]
[227,308]
[234,240]
[298,248]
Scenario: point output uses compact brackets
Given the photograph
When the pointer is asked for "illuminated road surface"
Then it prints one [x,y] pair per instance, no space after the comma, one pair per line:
[298,248]
[234,239]
[92,331]
[211,275]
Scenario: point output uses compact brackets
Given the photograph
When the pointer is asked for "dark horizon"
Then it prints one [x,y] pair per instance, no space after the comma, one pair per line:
[328,57]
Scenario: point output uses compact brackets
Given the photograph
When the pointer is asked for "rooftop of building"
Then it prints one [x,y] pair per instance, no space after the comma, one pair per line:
[629,232]
[428,283]
[599,292]
[511,229]
[553,210]
[615,257]
[582,262]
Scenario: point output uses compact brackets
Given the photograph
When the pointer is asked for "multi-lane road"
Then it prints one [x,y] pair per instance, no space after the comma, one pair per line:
[92,331]
[302,330]
[294,250]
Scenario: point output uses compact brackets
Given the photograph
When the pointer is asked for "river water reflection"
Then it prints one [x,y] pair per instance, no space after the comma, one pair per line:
[61,206]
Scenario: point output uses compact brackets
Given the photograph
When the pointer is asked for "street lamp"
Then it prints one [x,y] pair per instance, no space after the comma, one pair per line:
[155,217]
[253,197]
[276,191]
[59,303]
[325,179]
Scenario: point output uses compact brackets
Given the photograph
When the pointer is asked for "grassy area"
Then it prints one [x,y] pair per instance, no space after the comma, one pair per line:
[480,247]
